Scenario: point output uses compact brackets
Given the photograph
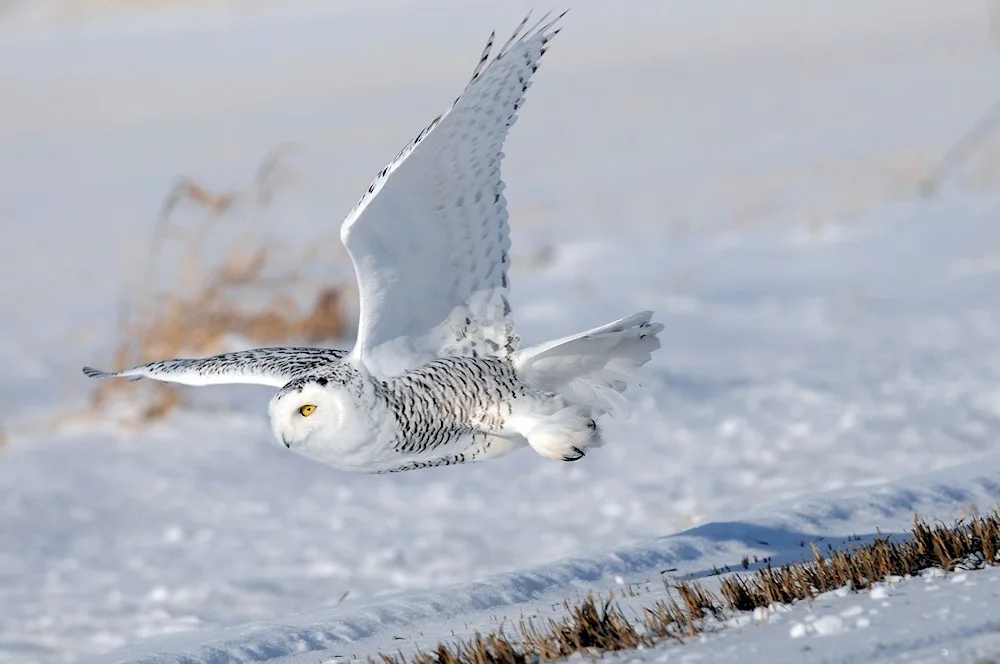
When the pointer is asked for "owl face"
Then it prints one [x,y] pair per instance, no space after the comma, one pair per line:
[307,412]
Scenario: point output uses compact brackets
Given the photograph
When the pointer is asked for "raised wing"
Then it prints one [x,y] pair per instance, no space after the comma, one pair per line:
[429,240]
[261,366]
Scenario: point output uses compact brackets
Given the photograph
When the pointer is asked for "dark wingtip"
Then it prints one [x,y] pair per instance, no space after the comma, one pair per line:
[91,372]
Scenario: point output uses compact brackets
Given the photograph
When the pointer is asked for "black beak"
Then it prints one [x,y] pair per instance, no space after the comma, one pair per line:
[285,441]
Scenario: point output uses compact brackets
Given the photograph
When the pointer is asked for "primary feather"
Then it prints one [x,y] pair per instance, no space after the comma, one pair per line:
[429,240]
[260,366]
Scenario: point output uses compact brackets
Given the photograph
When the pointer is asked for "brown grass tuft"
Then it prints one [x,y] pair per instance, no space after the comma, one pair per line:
[595,626]
[592,625]
[971,544]
[208,307]
[492,649]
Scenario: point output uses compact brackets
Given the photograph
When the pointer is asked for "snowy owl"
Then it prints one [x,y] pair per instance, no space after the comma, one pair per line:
[436,376]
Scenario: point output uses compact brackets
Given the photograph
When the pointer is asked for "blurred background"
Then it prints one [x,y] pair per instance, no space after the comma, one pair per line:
[778,180]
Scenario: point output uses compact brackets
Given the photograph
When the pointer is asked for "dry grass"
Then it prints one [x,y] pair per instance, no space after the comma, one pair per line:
[599,625]
[972,544]
[191,305]
[592,627]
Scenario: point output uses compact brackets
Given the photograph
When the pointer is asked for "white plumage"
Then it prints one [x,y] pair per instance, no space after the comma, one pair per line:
[436,376]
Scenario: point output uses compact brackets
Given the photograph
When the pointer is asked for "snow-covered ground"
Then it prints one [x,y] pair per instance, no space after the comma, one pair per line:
[909,617]
[747,170]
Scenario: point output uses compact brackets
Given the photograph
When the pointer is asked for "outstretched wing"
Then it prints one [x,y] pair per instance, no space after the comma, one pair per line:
[261,366]
[429,240]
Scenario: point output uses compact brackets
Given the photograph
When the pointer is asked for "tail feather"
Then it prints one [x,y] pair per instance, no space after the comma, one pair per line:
[593,368]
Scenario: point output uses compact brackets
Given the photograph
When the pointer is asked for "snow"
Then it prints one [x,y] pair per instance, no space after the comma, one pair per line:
[830,364]
[960,604]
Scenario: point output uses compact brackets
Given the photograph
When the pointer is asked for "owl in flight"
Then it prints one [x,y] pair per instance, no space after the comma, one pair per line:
[436,376]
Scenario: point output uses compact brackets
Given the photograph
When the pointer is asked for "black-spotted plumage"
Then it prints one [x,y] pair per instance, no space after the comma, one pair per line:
[449,398]
[261,366]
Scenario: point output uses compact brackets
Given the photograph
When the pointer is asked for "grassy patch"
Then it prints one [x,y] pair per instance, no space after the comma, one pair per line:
[599,625]
[212,284]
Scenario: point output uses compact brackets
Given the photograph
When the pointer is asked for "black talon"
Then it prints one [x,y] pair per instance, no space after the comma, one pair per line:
[577,451]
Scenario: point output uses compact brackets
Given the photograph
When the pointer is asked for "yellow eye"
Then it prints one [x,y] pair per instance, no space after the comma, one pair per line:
[307,410]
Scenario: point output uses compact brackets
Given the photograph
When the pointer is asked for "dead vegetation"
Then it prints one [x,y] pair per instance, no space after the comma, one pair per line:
[189,302]
[600,625]
[969,545]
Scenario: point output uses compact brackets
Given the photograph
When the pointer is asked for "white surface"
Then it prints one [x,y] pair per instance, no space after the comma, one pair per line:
[745,171]
[912,617]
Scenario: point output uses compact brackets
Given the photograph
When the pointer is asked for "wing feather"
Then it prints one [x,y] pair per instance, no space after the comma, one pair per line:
[429,239]
[261,366]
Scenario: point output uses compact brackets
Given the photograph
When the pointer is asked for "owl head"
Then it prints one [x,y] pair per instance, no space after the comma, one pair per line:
[332,417]
[307,412]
